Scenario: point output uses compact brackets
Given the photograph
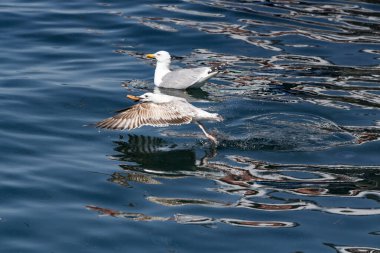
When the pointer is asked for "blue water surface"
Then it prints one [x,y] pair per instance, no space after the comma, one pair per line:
[298,165]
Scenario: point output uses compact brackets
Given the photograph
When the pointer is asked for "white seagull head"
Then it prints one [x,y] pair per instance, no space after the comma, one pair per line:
[152,97]
[160,56]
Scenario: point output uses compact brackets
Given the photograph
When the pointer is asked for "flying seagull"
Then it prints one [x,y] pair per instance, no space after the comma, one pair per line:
[179,78]
[159,110]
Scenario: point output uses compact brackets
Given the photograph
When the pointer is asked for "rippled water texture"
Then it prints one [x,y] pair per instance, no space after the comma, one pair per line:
[298,165]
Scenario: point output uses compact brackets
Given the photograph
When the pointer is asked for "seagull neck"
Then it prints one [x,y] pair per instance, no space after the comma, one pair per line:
[162,68]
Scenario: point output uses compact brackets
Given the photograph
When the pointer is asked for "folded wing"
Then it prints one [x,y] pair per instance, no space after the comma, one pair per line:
[185,78]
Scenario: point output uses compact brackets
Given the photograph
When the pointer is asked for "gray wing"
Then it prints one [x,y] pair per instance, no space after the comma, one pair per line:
[184,78]
[147,114]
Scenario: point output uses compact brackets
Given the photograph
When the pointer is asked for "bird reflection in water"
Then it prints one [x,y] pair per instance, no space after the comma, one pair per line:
[144,157]
[257,179]
[154,153]
[151,158]
[146,160]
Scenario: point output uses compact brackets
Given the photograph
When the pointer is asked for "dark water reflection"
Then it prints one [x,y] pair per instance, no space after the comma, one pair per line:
[298,165]
[249,179]
[348,249]
[189,219]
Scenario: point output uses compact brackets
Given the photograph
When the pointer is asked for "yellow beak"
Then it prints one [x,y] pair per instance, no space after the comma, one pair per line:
[134,98]
[150,56]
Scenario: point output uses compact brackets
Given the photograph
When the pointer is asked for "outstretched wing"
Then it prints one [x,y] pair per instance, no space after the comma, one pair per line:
[147,114]
[184,78]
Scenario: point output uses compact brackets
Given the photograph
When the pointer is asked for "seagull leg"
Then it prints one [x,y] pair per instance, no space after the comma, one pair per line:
[202,127]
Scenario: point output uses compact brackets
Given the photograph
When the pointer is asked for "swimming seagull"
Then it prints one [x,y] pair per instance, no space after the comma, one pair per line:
[159,110]
[181,78]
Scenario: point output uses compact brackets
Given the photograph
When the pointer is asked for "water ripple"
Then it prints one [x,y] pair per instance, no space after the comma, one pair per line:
[298,154]
[192,219]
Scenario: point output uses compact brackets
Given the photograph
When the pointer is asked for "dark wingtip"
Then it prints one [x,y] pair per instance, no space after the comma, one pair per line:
[106,124]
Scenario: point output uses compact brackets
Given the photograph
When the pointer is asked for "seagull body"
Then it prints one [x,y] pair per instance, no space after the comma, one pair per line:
[159,110]
[181,78]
